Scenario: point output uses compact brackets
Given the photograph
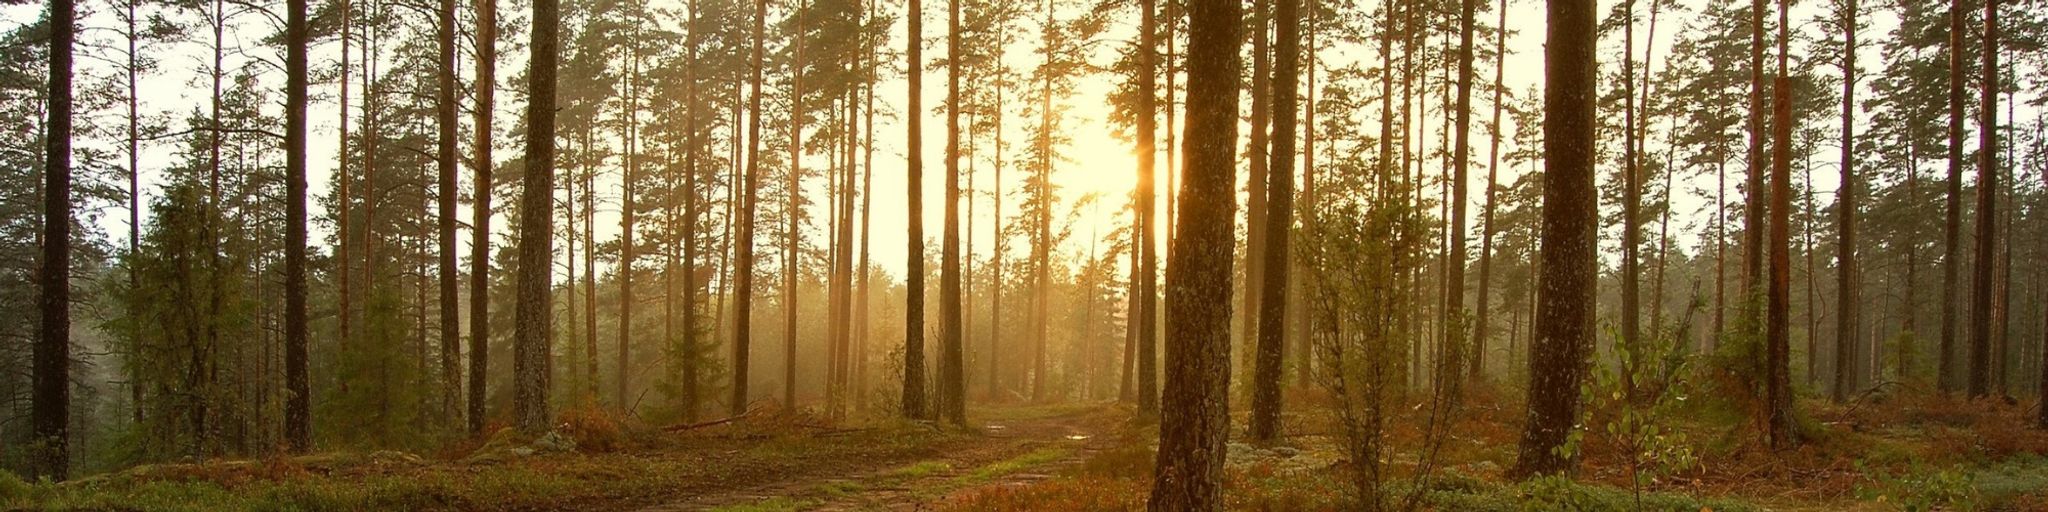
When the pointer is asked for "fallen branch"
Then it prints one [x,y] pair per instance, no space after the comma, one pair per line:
[713,423]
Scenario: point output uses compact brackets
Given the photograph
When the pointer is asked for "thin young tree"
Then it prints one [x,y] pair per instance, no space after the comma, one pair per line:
[1845,245]
[1564,321]
[298,399]
[914,406]
[1272,313]
[530,365]
[1195,418]
[480,237]
[51,412]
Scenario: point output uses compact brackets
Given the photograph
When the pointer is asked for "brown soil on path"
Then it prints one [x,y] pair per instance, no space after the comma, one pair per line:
[1009,446]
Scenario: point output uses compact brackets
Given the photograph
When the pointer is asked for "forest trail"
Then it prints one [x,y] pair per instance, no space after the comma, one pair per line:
[1010,447]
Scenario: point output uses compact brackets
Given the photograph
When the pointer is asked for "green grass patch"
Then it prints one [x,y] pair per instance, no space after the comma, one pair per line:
[1012,465]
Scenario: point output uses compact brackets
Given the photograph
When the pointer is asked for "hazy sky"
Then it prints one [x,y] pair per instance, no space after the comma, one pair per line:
[1100,162]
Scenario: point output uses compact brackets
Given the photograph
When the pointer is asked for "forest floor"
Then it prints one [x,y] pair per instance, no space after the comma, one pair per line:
[1908,453]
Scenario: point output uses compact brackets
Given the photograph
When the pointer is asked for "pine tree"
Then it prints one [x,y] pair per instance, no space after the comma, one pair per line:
[952,392]
[51,414]
[914,406]
[1195,418]
[1564,319]
[536,231]
[298,402]
[1272,313]
[480,255]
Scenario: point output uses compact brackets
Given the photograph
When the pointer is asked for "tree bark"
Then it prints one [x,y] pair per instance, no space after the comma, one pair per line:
[480,243]
[1195,418]
[1845,246]
[743,266]
[952,377]
[444,171]
[536,230]
[914,406]
[1987,211]
[298,399]
[1146,303]
[1951,260]
[1778,330]
[1480,325]
[1564,320]
[51,411]
[1272,313]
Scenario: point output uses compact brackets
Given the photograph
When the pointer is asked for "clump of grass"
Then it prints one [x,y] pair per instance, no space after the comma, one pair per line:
[1011,465]
[919,470]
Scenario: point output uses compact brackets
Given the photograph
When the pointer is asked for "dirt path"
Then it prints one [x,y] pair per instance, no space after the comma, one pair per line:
[1009,449]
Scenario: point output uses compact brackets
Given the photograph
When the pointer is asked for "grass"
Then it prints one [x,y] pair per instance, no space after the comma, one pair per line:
[1006,467]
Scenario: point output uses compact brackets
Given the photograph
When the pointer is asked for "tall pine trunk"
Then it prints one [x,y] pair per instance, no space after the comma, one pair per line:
[1480,324]
[743,265]
[51,412]
[480,241]
[298,400]
[1195,418]
[952,376]
[444,173]
[914,406]
[1987,211]
[1564,321]
[1951,260]
[1272,313]
[1845,246]
[1146,302]
[536,230]
[1778,329]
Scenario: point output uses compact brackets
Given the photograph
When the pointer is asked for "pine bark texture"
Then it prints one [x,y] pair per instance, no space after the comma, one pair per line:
[1564,320]
[531,354]
[1195,421]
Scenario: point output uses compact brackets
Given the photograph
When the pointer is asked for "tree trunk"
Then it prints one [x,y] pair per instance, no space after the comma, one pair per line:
[1631,202]
[1564,322]
[480,255]
[536,229]
[914,406]
[1987,211]
[743,266]
[1845,246]
[1778,329]
[1256,154]
[952,377]
[1195,417]
[793,212]
[445,168]
[628,213]
[51,414]
[298,401]
[1480,325]
[1951,260]
[1146,302]
[1272,313]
